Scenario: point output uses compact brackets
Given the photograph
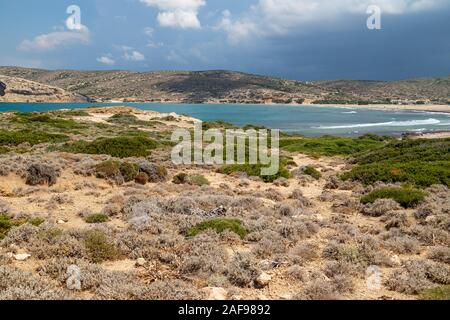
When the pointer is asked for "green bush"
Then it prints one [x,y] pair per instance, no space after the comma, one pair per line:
[45,119]
[14,138]
[313,172]
[128,119]
[332,146]
[255,170]
[36,221]
[198,180]
[120,147]
[418,162]
[97,218]
[407,197]
[438,293]
[129,171]
[6,224]
[219,225]
[100,247]
[108,169]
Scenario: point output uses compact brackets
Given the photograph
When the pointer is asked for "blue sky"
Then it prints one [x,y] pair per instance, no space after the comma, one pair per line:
[296,39]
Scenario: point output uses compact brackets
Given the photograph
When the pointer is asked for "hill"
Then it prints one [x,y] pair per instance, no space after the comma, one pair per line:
[228,87]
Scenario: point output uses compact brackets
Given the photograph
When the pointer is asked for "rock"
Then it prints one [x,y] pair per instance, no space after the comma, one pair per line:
[9,255]
[213,293]
[22,256]
[2,89]
[244,183]
[41,174]
[285,296]
[61,222]
[263,279]
[141,262]
[395,259]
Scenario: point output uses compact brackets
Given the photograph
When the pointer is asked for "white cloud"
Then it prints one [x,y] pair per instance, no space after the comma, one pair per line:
[134,55]
[149,31]
[177,13]
[155,45]
[54,40]
[106,60]
[269,17]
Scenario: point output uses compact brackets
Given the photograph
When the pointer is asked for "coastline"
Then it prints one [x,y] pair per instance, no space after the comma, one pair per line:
[425,108]
[411,107]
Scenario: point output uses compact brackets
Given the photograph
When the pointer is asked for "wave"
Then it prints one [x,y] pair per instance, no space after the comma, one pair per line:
[386,124]
[350,112]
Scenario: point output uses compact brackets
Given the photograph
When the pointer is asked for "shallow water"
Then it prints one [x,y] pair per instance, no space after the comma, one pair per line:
[307,120]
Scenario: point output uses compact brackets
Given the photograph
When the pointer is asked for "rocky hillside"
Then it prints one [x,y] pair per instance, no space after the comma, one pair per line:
[21,90]
[426,89]
[229,87]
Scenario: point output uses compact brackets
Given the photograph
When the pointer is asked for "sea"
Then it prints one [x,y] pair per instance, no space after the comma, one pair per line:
[305,120]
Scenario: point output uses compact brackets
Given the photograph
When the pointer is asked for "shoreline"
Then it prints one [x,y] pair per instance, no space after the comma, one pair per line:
[423,108]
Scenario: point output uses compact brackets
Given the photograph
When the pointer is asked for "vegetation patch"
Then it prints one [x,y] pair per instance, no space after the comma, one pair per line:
[438,293]
[100,247]
[45,119]
[36,221]
[313,172]
[332,146]
[97,218]
[128,119]
[418,162]
[119,147]
[15,138]
[7,223]
[198,180]
[255,170]
[407,197]
[219,225]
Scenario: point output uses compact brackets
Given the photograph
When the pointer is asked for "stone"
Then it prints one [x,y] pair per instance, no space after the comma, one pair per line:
[395,259]
[141,262]
[22,256]
[263,279]
[2,89]
[61,222]
[213,293]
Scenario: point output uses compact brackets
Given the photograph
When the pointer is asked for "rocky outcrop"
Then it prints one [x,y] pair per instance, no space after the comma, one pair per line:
[21,90]
[2,89]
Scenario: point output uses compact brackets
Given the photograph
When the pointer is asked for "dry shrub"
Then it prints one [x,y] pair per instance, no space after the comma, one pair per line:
[395,220]
[380,207]
[91,275]
[16,284]
[440,254]
[41,174]
[243,270]
[417,276]
[319,289]
[204,255]
[296,272]
[303,252]
[270,244]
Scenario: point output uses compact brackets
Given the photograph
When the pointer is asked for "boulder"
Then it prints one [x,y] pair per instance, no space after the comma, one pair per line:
[263,280]
[2,89]
[215,293]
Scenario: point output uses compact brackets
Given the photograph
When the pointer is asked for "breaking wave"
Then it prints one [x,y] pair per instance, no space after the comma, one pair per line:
[410,123]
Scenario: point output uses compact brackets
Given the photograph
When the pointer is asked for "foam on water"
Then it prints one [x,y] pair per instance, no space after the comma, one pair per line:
[410,123]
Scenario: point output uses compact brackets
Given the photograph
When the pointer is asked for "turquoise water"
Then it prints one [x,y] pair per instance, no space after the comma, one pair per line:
[307,120]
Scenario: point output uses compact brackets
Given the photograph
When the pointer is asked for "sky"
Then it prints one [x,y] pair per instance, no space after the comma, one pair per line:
[293,39]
